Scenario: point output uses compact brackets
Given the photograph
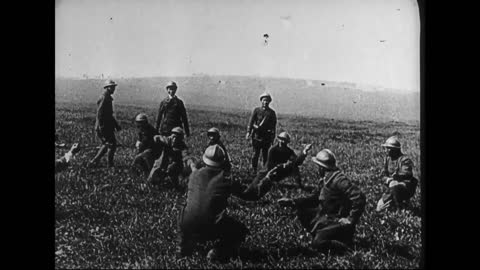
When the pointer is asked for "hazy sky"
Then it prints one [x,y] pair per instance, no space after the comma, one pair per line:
[320,39]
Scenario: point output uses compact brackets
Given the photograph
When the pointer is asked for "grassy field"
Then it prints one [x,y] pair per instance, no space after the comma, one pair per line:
[111,219]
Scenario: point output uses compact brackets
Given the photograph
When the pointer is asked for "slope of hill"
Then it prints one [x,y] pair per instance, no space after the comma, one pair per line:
[290,96]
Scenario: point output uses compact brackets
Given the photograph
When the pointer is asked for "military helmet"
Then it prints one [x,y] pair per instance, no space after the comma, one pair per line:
[213,130]
[326,159]
[178,130]
[109,83]
[171,84]
[214,156]
[284,136]
[392,142]
[141,118]
[265,95]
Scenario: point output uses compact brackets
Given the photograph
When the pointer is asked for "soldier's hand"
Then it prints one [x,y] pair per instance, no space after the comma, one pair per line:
[137,145]
[286,202]
[344,221]
[307,148]
[75,148]
[247,136]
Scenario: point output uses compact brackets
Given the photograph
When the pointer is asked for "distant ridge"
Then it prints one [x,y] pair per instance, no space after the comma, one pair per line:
[339,100]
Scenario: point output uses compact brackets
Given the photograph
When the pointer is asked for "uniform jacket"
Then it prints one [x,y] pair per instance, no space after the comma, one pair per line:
[208,191]
[266,130]
[145,137]
[171,153]
[105,122]
[172,113]
[278,155]
[336,197]
[401,170]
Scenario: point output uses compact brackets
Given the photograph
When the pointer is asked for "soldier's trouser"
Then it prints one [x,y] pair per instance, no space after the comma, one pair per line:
[228,232]
[159,172]
[327,233]
[260,146]
[109,143]
[397,197]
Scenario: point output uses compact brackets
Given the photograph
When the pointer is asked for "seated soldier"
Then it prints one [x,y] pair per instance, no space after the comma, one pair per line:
[204,216]
[397,176]
[63,162]
[148,151]
[282,170]
[281,153]
[214,138]
[332,212]
[171,161]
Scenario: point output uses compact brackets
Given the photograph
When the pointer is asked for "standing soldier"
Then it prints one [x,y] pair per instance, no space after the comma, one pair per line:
[333,211]
[170,162]
[172,113]
[148,152]
[106,125]
[261,128]
[398,176]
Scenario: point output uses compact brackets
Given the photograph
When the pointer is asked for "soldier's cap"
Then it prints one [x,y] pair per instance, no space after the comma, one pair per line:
[171,84]
[265,95]
[214,156]
[392,142]
[213,130]
[178,130]
[141,118]
[109,83]
[284,136]
[326,159]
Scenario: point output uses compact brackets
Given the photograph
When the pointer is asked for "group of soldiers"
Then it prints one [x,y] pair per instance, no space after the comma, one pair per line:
[330,214]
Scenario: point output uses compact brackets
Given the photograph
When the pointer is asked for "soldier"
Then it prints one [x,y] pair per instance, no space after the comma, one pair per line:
[261,128]
[334,209]
[172,113]
[398,176]
[106,125]
[63,162]
[204,216]
[214,138]
[148,151]
[171,160]
[281,153]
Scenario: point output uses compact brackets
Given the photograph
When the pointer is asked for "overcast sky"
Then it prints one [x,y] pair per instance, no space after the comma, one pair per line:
[362,41]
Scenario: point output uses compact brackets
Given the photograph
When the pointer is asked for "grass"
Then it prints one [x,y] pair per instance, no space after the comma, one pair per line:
[111,219]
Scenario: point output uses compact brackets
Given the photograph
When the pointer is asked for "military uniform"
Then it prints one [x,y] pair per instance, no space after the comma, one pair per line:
[204,216]
[172,113]
[170,163]
[279,155]
[262,125]
[228,165]
[148,151]
[401,183]
[105,126]
[336,197]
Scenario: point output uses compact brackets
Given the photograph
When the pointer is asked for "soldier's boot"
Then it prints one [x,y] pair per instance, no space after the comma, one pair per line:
[98,156]
[110,155]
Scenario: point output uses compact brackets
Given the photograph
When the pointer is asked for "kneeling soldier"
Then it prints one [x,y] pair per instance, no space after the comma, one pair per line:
[331,214]
[398,176]
[148,151]
[170,162]
[204,216]
[281,153]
